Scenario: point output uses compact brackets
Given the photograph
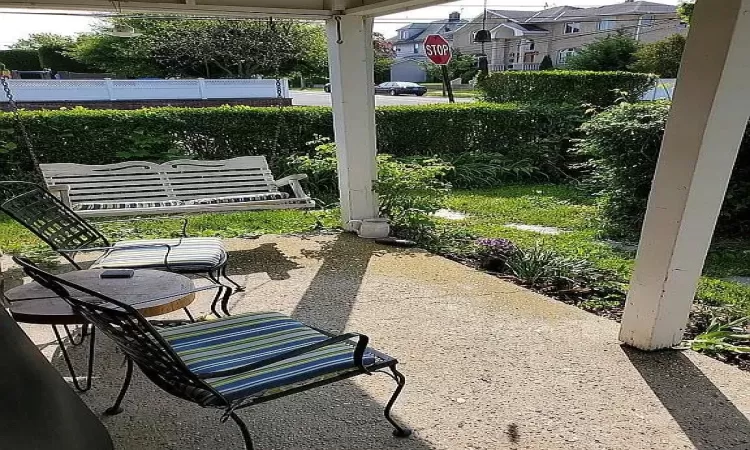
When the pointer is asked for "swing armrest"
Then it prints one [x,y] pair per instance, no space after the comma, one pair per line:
[290,179]
[62,192]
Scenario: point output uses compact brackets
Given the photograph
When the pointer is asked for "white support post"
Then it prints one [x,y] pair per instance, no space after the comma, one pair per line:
[110,88]
[351,62]
[202,88]
[705,128]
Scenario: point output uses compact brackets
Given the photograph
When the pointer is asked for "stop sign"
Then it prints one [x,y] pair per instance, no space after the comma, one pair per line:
[437,49]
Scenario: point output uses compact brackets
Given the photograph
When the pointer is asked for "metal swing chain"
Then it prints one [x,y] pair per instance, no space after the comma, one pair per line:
[279,91]
[20,124]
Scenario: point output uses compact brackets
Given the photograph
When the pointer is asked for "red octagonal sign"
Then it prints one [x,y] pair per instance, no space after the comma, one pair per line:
[437,49]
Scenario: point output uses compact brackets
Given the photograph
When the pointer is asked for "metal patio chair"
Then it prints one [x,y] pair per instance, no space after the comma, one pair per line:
[233,362]
[68,234]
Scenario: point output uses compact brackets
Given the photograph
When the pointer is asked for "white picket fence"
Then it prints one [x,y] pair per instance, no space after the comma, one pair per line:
[664,90]
[112,90]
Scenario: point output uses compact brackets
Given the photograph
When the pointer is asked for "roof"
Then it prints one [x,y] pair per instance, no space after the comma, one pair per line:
[630,8]
[511,14]
[560,13]
[441,27]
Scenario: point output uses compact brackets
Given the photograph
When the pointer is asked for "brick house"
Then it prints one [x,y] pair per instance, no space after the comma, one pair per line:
[521,39]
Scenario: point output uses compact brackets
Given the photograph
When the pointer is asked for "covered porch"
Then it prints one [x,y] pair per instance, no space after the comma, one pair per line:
[708,118]
[489,365]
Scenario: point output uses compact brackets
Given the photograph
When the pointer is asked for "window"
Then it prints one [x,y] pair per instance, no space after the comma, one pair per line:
[607,25]
[572,27]
[564,54]
[405,34]
[416,48]
[647,21]
[532,45]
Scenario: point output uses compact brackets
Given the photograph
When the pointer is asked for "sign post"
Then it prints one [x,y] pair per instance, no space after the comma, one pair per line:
[438,50]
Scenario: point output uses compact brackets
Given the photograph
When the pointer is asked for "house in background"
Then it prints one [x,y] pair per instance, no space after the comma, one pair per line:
[409,48]
[521,39]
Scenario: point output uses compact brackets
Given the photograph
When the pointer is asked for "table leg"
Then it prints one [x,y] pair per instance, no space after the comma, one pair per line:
[84,333]
[116,408]
[64,351]
[190,316]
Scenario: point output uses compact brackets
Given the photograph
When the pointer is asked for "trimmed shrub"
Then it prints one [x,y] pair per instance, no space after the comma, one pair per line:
[565,86]
[537,135]
[622,145]
[20,59]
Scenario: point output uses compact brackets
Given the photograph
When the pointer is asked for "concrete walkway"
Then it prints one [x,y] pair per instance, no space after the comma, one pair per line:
[489,365]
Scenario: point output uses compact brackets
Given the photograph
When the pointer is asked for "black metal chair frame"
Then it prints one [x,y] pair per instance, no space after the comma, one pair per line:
[68,234]
[144,346]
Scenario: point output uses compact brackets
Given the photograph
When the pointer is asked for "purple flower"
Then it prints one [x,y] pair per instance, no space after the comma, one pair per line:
[497,247]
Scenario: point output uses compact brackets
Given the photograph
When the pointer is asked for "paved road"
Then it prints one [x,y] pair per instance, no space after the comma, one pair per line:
[306,98]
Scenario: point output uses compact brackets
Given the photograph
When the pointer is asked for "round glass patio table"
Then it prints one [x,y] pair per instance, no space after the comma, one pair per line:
[35,304]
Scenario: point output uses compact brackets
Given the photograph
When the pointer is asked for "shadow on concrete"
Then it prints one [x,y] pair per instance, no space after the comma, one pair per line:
[265,258]
[332,294]
[705,414]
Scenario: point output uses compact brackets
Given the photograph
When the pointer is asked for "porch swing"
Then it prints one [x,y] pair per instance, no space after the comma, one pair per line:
[138,188]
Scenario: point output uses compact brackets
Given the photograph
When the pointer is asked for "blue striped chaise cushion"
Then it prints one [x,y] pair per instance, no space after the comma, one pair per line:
[187,254]
[240,340]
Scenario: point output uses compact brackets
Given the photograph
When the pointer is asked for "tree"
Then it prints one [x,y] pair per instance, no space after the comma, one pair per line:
[615,52]
[35,41]
[384,56]
[685,10]
[546,63]
[661,57]
[461,66]
[215,48]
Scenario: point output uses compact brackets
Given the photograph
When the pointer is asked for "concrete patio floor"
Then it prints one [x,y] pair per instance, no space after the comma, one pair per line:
[489,365]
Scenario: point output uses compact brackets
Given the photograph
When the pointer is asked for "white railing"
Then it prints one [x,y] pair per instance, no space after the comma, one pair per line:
[514,66]
[113,90]
[664,89]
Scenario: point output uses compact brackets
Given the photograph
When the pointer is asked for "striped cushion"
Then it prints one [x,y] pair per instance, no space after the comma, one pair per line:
[126,205]
[240,198]
[189,254]
[239,340]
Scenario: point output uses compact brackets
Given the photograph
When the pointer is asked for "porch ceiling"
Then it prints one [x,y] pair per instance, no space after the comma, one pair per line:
[304,9]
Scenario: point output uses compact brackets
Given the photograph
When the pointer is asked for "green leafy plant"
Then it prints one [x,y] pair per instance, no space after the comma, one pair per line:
[540,265]
[320,166]
[410,192]
[546,63]
[611,53]
[722,337]
[480,170]
[661,57]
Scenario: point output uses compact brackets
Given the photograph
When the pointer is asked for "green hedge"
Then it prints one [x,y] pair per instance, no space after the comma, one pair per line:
[20,59]
[562,86]
[622,146]
[540,134]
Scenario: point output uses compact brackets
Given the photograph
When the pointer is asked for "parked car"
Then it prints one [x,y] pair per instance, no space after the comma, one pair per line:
[393,88]
[400,88]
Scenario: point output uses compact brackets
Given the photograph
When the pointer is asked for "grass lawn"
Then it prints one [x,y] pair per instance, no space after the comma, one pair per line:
[566,208]
[16,239]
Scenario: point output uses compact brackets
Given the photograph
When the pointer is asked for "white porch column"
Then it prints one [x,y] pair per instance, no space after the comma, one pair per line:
[351,63]
[706,124]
